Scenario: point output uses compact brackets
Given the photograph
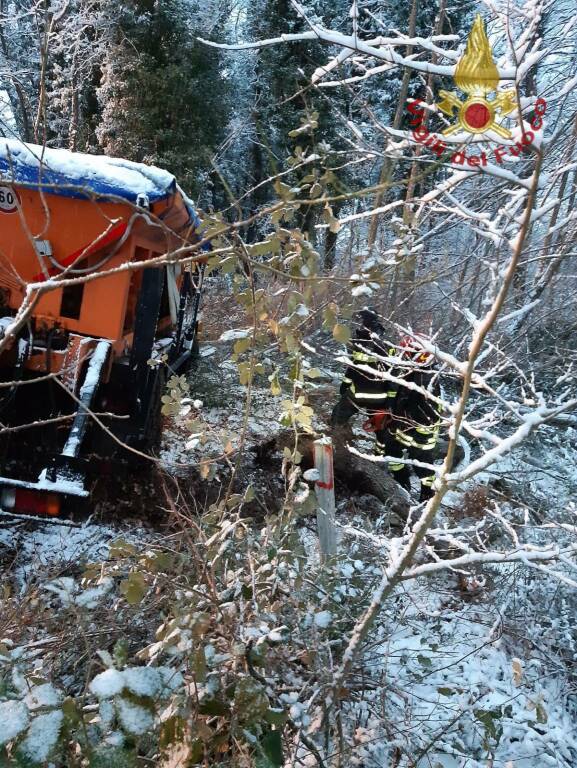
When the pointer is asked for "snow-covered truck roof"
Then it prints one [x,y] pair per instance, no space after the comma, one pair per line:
[78,175]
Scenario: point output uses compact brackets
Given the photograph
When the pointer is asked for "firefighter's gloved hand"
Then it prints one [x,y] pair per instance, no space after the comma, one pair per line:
[343,411]
[426,493]
[377,421]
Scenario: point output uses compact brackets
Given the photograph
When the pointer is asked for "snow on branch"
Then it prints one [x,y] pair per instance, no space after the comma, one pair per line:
[388,459]
[531,421]
[284,38]
[526,554]
[380,48]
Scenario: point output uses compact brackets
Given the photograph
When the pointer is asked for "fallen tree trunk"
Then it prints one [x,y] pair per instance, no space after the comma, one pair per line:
[358,474]
[364,476]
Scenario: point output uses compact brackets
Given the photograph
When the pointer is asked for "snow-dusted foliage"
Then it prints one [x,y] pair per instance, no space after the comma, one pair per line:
[442,634]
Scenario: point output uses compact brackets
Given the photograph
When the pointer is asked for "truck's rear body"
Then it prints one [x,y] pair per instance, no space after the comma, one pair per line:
[75,315]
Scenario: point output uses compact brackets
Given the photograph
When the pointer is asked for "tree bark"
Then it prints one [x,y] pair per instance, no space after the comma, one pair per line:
[331,243]
[389,164]
[410,268]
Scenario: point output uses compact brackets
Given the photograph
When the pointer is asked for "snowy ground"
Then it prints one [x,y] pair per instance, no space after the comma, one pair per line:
[32,551]
[466,671]
[470,673]
[218,408]
[221,412]
[480,670]
[476,671]
[472,684]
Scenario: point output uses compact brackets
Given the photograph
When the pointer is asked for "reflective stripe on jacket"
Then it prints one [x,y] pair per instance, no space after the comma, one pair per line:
[369,392]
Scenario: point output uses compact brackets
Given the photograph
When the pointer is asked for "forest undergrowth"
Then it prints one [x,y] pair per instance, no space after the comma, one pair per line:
[339,160]
[214,641]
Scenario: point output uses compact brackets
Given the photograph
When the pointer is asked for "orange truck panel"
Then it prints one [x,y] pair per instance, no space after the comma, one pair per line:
[82,233]
[68,222]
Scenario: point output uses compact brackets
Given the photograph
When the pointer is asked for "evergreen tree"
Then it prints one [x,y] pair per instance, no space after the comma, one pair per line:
[163,97]
[20,29]
[288,117]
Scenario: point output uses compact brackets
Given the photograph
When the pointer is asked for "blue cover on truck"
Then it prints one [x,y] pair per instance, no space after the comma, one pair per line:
[74,174]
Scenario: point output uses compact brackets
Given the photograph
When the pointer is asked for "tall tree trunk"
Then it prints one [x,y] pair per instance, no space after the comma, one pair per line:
[257,167]
[74,111]
[529,87]
[410,267]
[331,242]
[389,164]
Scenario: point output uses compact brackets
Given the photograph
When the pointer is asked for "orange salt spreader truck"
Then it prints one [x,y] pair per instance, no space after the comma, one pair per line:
[95,329]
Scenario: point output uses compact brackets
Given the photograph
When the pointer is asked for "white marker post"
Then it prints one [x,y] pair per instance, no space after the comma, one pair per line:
[325,490]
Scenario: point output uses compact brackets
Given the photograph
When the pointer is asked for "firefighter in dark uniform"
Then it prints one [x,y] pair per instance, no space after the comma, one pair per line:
[413,430]
[361,391]
[406,423]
